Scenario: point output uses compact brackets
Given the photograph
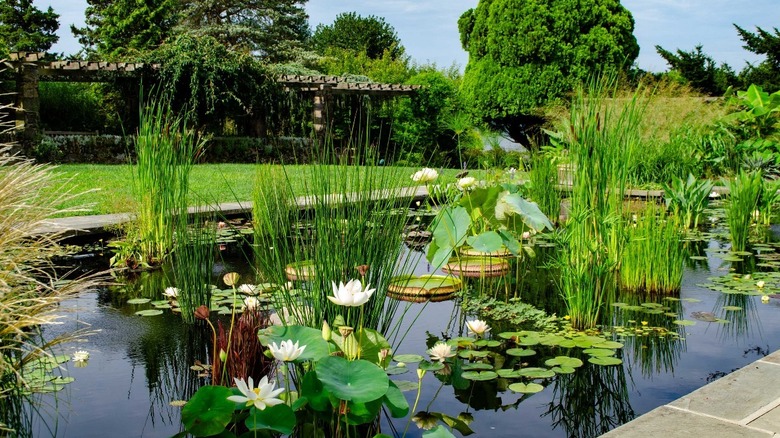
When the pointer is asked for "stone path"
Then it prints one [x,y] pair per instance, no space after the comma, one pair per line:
[743,404]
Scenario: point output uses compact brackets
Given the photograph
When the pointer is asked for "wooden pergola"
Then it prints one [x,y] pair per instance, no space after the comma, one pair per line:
[31,69]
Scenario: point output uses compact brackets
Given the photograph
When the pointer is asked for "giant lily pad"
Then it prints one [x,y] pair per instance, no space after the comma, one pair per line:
[424,285]
[477,267]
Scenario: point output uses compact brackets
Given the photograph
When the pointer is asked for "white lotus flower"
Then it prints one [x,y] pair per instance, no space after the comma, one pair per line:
[81,356]
[467,182]
[171,292]
[478,327]
[261,397]
[441,351]
[425,175]
[248,289]
[351,294]
[286,351]
[251,303]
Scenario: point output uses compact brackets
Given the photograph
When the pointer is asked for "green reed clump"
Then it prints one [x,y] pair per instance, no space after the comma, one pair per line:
[544,185]
[654,257]
[602,138]
[193,262]
[353,219]
[744,195]
[165,150]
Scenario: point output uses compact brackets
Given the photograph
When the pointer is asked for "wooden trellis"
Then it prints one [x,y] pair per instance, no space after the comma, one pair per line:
[31,68]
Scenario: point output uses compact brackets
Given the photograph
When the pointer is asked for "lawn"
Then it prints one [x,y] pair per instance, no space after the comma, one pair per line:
[109,188]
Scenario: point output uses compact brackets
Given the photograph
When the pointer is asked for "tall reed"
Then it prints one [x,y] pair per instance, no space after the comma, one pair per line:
[354,219]
[654,257]
[165,150]
[543,188]
[193,262]
[601,137]
[744,195]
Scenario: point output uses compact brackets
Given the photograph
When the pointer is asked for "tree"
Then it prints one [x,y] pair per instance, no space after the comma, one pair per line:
[524,54]
[118,29]
[699,70]
[370,35]
[23,27]
[767,73]
[272,29]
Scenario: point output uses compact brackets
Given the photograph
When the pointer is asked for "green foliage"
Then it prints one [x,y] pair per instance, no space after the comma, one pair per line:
[744,196]
[193,261]
[346,62]
[24,27]
[699,70]
[273,29]
[763,42]
[73,106]
[122,29]
[351,32]
[688,199]
[213,82]
[543,185]
[523,55]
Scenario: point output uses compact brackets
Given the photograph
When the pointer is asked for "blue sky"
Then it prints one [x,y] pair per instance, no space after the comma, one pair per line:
[428,28]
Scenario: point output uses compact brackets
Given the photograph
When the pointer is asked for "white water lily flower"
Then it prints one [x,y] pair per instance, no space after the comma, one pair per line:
[81,356]
[350,294]
[441,351]
[171,292]
[478,327]
[286,351]
[467,182]
[251,303]
[760,284]
[425,175]
[248,289]
[261,397]
[765,299]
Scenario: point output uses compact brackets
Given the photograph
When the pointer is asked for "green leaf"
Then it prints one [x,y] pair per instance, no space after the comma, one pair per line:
[358,381]
[605,360]
[138,301]
[407,358]
[279,418]
[396,402]
[406,385]
[149,312]
[537,373]
[529,212]
[479,376]
[313,390]
[451,227]
[316,347]
[526,388]
[208,411]
[683,322]
[564,361]
[438,432]
[431,366]
[520,352]
[486,242]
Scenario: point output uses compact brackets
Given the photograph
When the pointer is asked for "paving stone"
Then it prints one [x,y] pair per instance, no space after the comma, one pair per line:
[673,423]
[768,421]
[737,395]
[774,358]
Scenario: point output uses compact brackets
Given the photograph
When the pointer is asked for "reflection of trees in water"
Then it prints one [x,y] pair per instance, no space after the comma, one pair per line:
[591,401]
[166,351]
[533,281]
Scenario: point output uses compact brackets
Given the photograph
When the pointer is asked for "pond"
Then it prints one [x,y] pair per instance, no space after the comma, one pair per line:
[138,365]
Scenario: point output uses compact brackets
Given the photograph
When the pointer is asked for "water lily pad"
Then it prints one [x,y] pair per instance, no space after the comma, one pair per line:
[564,361]
[520,352]
[477,366]
[408,358]
[149,312]
[526,388]
[471,354]
[732,308]
[605,360]
[138,301]
[479,376]
[406,385]
[395,370]
[563,370]
[537,373]
[683,322]
[508,373]
[599,352]
[608,344]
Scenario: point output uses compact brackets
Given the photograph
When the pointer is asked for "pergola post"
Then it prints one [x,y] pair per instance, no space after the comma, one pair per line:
[28,105]
[321,98]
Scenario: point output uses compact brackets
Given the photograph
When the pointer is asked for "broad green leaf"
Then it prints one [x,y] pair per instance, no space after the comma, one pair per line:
[407,358]
[529,212]
[279,418]
[487,242]
[149,312]
[396,402]
[359,381]
[316,347]
[526,388]
[605,360]
[438,432]
[138,301]
[479,375]
[208,411]
[451,227]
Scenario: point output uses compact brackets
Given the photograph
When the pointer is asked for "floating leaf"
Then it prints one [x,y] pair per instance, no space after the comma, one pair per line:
[562,370]
[520,352]
[608,344]
[406,385]
[683,322]
[477,366]
[138,301]
[732,308]
[537,373]
[479,375]
[605,360]
[149,312]
[407,358]
[357,381]
[564,361]
[599,352]
[526,388]
[394,370]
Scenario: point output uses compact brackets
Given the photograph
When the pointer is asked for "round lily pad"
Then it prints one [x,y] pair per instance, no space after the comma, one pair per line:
[407,358]
[479,376]
[537,373]
[149,312]
[564,361]
[520,352]
[526,388]
[683,322]
[605,360]
[138,301]
[599,352]
[608,344]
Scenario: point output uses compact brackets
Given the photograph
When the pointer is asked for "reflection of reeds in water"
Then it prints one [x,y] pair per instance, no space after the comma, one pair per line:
[591,401]
[740,322]
[193,260]
[744,194]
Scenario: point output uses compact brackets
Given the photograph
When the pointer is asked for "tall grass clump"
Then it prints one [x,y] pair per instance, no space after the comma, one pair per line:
[165,149]
[744,195]
[29,292]
[654,257]
[602,137]
[193,262]
[544,185]
[355,217]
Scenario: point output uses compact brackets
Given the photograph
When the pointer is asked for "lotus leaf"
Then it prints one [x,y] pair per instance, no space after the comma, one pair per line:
[358,381]
[138,301]
[407,358]
[279,418]
[208,411]
[395,401]
[316,347]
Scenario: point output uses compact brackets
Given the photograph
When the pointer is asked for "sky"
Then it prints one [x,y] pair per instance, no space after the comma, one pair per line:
[428,29]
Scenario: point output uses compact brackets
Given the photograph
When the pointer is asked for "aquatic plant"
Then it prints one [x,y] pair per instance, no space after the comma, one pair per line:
[744,195]
[543,188]
[193,261]
[166,148]
[654,257]
[688,199]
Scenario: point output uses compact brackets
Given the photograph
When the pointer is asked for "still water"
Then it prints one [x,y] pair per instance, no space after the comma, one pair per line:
[139,365]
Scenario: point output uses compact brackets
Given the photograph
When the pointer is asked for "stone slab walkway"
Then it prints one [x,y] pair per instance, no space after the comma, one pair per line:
[743,404]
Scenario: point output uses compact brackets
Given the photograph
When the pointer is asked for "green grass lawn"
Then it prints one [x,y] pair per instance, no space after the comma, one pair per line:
[110,187]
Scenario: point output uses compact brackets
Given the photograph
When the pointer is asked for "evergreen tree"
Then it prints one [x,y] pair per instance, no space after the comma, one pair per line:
[700,70]
[767,73]
[370,35]
[24,27]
